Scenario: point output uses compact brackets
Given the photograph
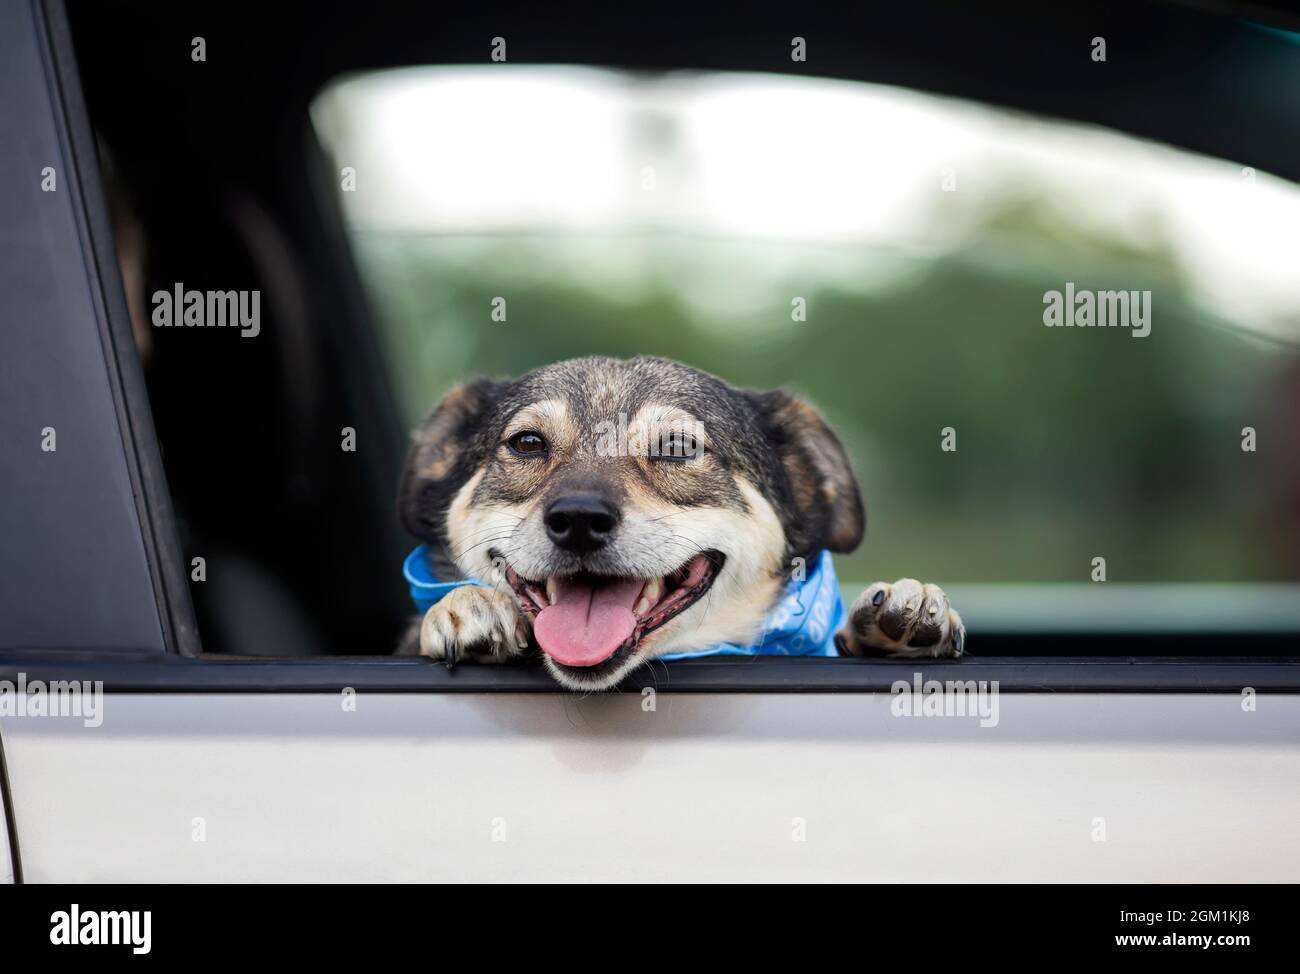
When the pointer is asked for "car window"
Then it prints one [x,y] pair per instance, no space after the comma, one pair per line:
[1064,360]
[906,261]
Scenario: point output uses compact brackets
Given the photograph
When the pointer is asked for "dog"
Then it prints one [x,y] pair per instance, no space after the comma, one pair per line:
[620,510]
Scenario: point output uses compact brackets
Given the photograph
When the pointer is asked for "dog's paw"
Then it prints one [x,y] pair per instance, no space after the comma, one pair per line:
[481,625]
[905,619]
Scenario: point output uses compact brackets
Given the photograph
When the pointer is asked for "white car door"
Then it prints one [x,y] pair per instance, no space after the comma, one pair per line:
[478,781]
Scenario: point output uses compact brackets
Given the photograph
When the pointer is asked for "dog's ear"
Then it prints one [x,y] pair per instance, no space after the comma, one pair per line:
[446,451]
[826,502]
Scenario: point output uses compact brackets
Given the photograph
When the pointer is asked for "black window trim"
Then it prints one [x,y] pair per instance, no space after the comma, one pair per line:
[186,669]
[397,674]
[125,372]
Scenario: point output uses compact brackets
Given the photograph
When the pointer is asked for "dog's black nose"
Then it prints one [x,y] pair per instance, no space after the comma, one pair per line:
[581,522]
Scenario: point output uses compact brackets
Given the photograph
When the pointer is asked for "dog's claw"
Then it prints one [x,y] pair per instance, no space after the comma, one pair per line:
[903,619]
[472,624]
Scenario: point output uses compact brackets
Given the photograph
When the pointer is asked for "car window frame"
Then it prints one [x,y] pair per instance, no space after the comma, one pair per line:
[185,668]
[113,320]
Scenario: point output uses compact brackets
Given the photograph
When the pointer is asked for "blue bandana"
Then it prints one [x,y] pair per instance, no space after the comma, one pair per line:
[802,623]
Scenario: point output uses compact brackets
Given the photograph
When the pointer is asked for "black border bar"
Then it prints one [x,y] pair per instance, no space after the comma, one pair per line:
[1084,921]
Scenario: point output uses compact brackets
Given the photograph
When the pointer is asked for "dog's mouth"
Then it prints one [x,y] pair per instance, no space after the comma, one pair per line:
[582,620]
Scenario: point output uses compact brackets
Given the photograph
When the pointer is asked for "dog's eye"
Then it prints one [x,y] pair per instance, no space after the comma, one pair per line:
[680,446]
[527,444]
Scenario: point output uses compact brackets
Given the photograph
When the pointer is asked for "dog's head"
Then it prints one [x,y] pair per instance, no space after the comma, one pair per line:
[634,508]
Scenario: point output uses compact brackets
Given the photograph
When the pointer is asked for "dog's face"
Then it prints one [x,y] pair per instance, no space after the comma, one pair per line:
[633,508]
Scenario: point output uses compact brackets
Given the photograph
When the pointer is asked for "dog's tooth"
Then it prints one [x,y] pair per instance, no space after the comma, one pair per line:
[642,606]
[551,588]
[652,593]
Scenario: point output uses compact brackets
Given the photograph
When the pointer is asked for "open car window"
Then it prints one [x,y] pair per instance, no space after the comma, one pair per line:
[1062,358]
[903,259]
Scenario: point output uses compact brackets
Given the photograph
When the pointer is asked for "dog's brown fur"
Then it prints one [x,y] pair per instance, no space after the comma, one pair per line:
[761,481]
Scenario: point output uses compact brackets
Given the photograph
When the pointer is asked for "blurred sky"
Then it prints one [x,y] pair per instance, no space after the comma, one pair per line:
[500,148]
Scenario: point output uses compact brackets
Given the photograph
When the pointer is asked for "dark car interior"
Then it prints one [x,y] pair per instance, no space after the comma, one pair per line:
[214,178]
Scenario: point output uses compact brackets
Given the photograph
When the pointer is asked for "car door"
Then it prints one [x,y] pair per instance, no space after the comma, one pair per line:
[130,755]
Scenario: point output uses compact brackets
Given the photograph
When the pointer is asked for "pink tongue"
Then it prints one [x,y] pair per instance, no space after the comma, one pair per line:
[586,625]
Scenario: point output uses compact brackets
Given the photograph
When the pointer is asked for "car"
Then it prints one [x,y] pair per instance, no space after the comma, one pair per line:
[201,588]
